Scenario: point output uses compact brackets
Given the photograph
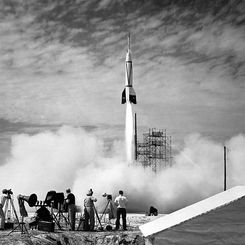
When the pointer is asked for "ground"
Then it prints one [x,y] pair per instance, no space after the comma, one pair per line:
[66,237]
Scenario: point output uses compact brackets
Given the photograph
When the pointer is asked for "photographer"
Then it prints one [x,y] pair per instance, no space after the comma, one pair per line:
[121,202]
[71,207]
[89,210]
[2,216]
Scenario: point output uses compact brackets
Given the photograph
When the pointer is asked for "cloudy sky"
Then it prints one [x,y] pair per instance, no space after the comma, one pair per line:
[62,75]
[62,62]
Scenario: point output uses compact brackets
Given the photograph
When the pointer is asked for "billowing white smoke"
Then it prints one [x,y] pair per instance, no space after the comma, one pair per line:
[70,157]
[48,160]
[129,132]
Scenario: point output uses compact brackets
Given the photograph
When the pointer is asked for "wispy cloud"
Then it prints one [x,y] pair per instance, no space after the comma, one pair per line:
[64,63]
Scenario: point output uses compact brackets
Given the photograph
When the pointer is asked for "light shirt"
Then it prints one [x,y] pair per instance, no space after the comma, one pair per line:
[121,201]
[89,201]
[3,199]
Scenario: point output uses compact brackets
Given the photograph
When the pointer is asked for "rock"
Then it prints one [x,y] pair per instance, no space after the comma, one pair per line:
[65,237]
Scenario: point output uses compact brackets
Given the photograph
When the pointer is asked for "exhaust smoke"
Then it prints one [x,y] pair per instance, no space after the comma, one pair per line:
[129,133]
[71,157]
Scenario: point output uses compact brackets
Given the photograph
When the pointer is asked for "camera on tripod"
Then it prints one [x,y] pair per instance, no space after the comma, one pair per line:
[108,196]
[7,192]
[55,199]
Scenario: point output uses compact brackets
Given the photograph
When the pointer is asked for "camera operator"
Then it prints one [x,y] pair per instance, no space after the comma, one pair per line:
[2,216]
[71,207]
[121,202]
[89,210]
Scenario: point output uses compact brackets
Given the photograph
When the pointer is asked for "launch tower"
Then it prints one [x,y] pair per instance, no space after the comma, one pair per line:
[155,152]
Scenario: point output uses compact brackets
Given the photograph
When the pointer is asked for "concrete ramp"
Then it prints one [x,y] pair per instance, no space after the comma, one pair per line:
[221,213]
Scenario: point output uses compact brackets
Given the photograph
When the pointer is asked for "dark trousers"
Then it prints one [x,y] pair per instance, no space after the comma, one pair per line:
[2,218]
[121,211]
[89,218]
[72,215]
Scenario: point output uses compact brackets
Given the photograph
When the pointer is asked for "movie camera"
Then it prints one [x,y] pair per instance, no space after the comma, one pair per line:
[55,199]
[109,209]
[108,196]
[31,200]
[7,192]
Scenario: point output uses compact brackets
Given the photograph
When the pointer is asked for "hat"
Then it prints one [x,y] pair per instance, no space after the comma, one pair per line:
[90,192]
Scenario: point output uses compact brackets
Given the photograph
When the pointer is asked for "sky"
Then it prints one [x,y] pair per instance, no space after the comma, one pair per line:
[62,63]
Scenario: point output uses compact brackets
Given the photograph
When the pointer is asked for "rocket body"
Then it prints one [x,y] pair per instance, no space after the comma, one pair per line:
[128,94]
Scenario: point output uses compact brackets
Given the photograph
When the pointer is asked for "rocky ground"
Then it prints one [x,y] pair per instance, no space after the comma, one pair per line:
[66,237]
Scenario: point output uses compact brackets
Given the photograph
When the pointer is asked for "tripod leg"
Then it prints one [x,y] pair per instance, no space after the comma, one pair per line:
[56,221]
[104,212]
[82,219]
[66,219]
[55,216]
[21,226]
[3,214]
[61,215]
[6,207]
[12,204]
[96,213]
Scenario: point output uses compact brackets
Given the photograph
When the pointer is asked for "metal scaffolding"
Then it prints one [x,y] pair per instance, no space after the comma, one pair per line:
[155,151]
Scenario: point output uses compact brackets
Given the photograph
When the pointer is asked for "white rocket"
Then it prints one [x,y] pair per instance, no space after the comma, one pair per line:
[128,94]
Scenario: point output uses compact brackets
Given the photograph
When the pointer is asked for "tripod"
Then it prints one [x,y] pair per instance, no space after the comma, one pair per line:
[10,202]
[97,216]
[57,217]
[109,206]
[21,225]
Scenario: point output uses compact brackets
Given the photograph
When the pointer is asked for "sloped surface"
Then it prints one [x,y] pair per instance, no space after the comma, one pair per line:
[222,199]
[224,225]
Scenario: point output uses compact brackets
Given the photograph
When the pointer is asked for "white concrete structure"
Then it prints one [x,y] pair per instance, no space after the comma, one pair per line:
[205,222]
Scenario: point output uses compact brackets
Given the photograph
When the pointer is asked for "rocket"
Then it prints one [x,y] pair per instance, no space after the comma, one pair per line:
[128,94]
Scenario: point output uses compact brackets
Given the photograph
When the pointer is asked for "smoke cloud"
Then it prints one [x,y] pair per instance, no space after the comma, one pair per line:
[71,157]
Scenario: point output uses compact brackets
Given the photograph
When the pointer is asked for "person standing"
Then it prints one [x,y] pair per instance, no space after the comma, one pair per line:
[2,215]
[121,202]
[89,210]
[71,207]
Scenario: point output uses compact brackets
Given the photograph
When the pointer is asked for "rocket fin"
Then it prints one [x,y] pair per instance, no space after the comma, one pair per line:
[132,99]
[132,96]
[124,96]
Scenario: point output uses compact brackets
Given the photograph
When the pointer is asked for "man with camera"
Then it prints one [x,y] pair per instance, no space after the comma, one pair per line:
[71,207]
[2,215]
[121,202]
[89,210]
